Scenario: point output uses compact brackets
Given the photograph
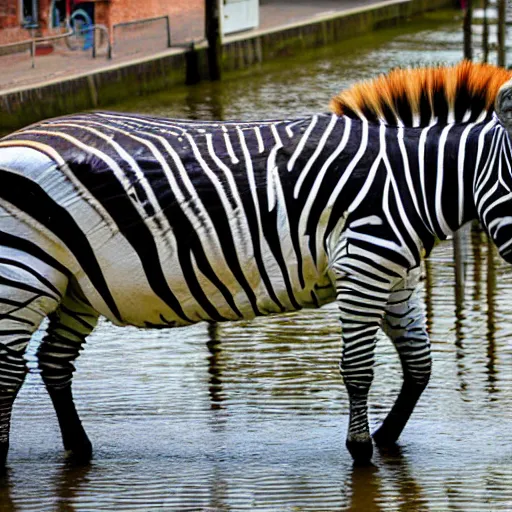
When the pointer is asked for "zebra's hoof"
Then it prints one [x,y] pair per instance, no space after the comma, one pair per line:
[385,438]
[361,451]
[79,453]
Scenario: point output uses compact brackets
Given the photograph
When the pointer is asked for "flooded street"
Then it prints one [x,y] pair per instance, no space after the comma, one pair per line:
[253,415]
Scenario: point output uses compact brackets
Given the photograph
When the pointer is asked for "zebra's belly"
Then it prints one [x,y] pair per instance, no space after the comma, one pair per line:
[170,288]
[139,305]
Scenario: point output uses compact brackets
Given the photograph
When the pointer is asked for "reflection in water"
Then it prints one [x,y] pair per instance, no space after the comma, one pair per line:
[6,486]
[410,492]
[491,325]
[428,283]
[214,367]
[219,491]
[476,245]
[69,482]
[460,314]
[205,101]
[371,487]
[365,489]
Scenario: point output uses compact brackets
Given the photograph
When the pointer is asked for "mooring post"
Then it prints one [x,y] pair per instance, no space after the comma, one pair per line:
[502,14]
[468,20]
[213,36]
[459,236]
[485,33]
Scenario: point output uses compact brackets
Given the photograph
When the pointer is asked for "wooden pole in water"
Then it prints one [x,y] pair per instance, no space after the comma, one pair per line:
[468,20]
[485,33]
[502,14]
[458,237]
[213,36]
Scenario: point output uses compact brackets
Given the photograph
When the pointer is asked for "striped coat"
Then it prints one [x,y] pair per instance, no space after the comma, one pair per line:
[160,223]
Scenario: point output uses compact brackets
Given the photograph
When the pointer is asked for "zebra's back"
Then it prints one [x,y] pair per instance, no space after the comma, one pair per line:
[177,221]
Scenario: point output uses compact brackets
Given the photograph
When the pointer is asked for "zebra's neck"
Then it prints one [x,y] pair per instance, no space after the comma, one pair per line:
[359,171]
[433,171]
[448,157]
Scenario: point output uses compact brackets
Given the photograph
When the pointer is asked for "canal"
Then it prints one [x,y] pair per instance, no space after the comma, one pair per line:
[252,415]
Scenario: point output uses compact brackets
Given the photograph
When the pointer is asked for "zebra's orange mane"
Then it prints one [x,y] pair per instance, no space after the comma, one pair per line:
[423,96]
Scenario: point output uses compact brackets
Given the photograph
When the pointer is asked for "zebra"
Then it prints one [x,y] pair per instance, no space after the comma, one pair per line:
[160,223]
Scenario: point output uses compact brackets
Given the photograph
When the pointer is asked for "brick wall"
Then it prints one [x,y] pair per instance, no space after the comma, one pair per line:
[13,35]
[186,16]
[9,14]
[181,13]
[10,20]
[129,10]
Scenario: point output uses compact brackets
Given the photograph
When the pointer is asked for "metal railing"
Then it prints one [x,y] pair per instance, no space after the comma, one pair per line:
[144,21]
[32,43]
[101,28]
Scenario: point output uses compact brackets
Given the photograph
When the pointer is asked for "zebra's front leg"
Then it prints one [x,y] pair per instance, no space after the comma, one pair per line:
[69,325]
[405,325]
[362,308]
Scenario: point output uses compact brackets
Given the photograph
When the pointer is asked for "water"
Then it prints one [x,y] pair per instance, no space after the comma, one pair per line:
[253,415]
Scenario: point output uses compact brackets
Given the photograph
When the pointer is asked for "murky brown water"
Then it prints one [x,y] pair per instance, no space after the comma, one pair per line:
[253,415]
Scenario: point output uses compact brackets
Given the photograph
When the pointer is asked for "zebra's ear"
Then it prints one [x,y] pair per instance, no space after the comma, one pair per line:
[503,105]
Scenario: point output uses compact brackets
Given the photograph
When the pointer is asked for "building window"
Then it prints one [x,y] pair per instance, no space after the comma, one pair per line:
[29,13]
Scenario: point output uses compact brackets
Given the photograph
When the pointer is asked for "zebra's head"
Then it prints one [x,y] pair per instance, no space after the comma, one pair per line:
[493,184]
[503,106]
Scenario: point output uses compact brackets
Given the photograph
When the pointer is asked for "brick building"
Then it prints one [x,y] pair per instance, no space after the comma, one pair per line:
[18,16]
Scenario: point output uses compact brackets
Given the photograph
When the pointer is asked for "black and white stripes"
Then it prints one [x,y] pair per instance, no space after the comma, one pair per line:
[160,223]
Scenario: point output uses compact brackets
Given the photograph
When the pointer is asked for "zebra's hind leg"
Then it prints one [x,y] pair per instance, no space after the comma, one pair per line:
[405,325]
[30,289]
[69,325]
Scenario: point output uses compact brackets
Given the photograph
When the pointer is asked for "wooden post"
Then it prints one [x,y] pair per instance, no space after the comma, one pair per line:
[468,20]
[485,33]
[213,36]
[502,14]
[459,236]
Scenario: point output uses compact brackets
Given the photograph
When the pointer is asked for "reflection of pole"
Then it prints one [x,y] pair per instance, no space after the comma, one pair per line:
[458,256]
[468,19]
[429,313]
[485,33]
[502,13]
[215,368]
[213,36]
[491,326]
[476,242]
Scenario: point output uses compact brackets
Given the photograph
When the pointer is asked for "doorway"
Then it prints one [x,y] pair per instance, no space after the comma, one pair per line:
[29,13]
